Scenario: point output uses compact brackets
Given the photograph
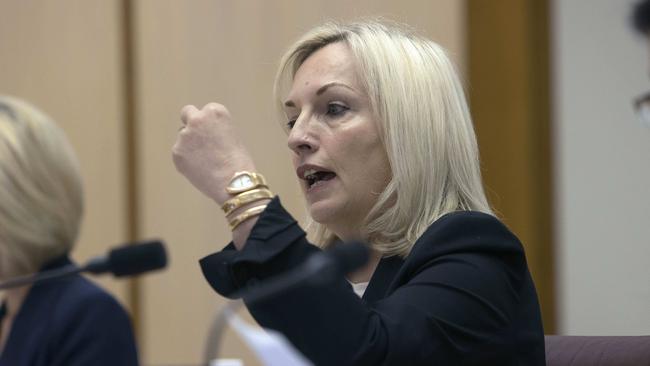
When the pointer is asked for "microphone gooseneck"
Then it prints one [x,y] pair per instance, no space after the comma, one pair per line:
[127,260]
[320,267]
[68,270]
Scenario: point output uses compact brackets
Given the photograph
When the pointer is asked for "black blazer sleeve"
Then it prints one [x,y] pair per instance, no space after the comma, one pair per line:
[462,297]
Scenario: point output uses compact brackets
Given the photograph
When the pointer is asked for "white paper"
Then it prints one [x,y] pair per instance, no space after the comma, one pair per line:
[227,362]
[271,347]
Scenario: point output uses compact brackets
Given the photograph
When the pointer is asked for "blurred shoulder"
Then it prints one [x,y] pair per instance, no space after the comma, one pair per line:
[89,326]
[80,297]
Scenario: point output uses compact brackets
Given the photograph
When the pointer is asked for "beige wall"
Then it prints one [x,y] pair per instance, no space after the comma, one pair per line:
[602,171]
[64,57]
[226,51]
[67,57]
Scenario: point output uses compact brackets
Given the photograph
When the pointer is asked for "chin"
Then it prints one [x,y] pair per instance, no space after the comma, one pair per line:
[320,215]
[335,216]
[324,212]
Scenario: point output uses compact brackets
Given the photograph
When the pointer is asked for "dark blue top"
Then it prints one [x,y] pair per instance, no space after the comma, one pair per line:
[69,322]
[463,296]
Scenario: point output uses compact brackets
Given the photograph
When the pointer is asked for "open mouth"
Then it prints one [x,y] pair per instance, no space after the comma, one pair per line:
[316,177]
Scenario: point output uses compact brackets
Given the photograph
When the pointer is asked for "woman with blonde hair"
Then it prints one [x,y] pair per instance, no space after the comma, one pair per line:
[385,152]
[68,322]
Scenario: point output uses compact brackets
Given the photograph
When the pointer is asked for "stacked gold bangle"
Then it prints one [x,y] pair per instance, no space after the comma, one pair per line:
[248,187]
[251,212]
[245,197]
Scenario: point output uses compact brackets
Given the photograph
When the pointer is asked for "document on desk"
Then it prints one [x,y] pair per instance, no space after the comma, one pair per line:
[271,347]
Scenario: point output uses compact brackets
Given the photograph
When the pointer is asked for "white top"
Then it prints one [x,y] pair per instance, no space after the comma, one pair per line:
[359,288]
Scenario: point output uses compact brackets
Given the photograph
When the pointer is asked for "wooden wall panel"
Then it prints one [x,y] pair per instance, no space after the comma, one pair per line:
[508,57]
[226,51]
[65,57]
[68,57]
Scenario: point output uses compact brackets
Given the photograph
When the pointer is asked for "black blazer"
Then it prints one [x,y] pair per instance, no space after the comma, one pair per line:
[69,322]
[463,296]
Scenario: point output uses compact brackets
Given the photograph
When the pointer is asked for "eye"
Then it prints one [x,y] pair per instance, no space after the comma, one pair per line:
[336,109]
[290,124]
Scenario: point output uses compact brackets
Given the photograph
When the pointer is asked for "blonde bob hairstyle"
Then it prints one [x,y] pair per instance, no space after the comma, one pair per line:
[424,123]
[41,199]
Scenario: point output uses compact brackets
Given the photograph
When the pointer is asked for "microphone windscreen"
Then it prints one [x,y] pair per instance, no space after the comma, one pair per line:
[349,256]
[137,258]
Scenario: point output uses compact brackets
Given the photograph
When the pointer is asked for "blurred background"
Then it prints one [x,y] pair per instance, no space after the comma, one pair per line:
[550,84]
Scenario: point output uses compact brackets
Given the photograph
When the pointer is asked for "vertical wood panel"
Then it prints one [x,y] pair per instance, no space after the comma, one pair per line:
[226,51]
[509,93]
[64,57]
[130,157]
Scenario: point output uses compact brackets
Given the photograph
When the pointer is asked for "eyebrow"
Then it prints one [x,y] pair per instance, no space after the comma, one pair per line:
[322,90]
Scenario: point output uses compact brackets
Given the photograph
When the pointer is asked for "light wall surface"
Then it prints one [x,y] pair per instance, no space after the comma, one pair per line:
[65,58]
[69,57]
[195,52]
[602,172]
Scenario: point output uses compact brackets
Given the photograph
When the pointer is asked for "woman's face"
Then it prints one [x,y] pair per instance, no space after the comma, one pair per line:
[337,153]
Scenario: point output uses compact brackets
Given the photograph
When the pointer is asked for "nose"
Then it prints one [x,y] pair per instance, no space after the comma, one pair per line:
[302,139]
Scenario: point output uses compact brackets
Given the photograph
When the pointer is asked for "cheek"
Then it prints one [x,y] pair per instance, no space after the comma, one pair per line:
[360,154]
[370,164]
[379,171]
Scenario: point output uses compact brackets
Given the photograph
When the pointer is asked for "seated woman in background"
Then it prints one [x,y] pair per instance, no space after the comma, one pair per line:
[385,152]
[67,322]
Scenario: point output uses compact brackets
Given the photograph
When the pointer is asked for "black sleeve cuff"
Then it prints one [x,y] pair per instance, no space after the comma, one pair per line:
[274,233]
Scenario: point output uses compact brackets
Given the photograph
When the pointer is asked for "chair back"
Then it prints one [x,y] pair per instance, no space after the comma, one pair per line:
[597,350]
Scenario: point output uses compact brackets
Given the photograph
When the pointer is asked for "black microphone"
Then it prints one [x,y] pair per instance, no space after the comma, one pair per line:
[340,260]
[127,260]
[321,267]
[130,260]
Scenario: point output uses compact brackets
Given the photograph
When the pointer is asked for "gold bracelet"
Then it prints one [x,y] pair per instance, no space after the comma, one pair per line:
[251,212]
[244,198]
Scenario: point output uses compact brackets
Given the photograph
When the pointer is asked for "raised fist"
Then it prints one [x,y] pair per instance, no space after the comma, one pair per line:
[207,151]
